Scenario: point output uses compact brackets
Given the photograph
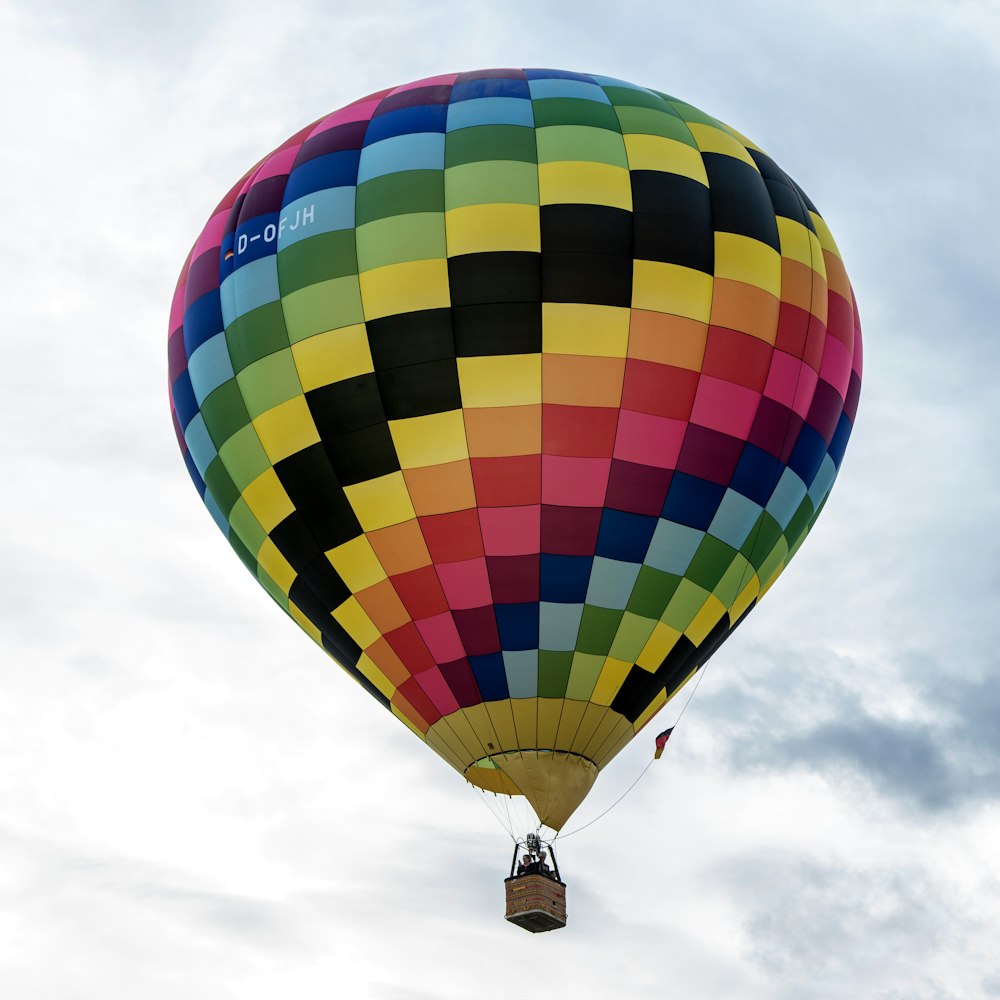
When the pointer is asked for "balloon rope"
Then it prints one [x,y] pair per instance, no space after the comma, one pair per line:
[560,836]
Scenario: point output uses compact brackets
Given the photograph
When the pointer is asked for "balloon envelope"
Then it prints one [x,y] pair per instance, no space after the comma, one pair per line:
[516,389]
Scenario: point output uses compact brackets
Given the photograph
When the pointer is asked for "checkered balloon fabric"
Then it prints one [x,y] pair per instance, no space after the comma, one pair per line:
[516,389]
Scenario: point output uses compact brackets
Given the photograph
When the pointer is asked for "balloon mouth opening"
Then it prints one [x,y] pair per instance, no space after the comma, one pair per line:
[554,782]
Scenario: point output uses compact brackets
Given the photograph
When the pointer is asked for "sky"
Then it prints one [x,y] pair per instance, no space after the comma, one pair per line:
[195,803]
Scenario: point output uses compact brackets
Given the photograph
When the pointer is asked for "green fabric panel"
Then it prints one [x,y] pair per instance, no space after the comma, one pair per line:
[684,605]
[400,193]
[327,305]
[246,556]
[598,627]
[761,540]
[733,581]
[710,562]
[652,591]
[489,142]
[220,484]
[693,115]
[268,382]
[489,182]
[256,334]
[799,524]
[327,255]
[627,97]
[280,597]
[583,676]
[224,412]
[244,457]
[580,142]
[247,528]
[574,111]
[633,633]
[643,121]
[553,673]
[419,236]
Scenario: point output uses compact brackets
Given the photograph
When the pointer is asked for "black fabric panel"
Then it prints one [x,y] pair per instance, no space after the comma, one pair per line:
[362,455]
[497,328]
[359,677]
[740,202]
[341,646]
[586,229]
[346,406]
[417,390]
[787,203]
[587,277]
[476,278]
[295,541]
[672,220]
[308,480]
[410,338]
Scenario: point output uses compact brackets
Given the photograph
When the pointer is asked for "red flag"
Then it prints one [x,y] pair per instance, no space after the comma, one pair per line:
[661,742]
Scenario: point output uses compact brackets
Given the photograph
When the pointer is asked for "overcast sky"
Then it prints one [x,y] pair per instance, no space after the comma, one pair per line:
[195,803]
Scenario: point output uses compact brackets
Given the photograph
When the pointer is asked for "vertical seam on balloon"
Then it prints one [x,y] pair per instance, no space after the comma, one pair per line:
[607,708]
[459,741]
[465,435]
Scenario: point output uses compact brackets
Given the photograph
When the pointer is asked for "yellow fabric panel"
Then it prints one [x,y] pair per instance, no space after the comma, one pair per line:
[592,717]
[549,712]
[796,241]
[650,710]
[672,288]
[304,623]
[481,721]
[663,639]
[356,563]
[747,596]
[575,328]
[580,183]
[607,735]
[611,678]
[714,140]
[491,779]
[276,566]
[619,739]
[434,439]
[443,740]
[335,297]
[657,152]
[472,739]
[381,502]
[401,288]
[502,719]
[486,228]
[355,620]
[267,500]
[743,258]
[332,356]
[503,380]
[525,712]
[286,429]
[706,619]
[572,715]
[826,239]
[372,672]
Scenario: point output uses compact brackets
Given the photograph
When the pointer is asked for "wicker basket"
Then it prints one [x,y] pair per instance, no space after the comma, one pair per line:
[536,902]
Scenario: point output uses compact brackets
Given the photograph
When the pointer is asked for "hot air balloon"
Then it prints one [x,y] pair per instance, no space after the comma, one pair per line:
[516,390]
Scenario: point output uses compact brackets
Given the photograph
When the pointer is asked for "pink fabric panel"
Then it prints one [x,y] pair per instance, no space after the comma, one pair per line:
[465,584]
[724,406]
[441,637]
[280,163]
[574,482]
[436,688]
[511,531]
[805,391]
[836,366]
[360,112]
[212,234]
[782,378]
[649,440]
